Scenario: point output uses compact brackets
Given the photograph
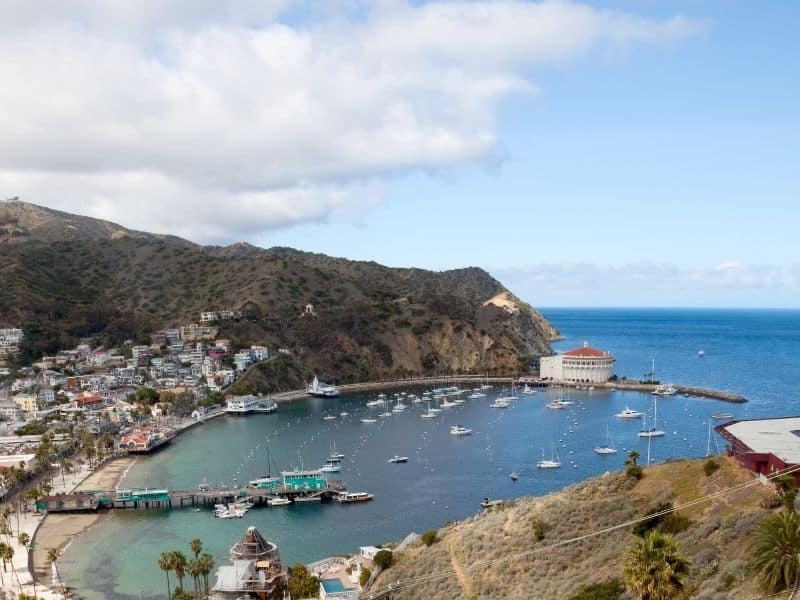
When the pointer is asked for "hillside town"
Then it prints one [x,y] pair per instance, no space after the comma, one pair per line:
[128,398]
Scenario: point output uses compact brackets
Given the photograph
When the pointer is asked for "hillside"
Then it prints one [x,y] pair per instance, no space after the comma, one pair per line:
[72,277]
[716,538]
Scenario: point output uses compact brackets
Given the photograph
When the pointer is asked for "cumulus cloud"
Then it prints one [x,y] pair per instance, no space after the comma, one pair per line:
[220,121]
[730,283]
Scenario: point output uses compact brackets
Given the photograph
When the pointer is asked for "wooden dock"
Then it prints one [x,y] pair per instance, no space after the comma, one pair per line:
[160,499]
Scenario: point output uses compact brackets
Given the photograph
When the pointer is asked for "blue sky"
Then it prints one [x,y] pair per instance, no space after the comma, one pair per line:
[639,153]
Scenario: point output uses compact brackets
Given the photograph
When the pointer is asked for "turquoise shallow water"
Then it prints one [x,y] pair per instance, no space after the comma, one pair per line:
[749,352]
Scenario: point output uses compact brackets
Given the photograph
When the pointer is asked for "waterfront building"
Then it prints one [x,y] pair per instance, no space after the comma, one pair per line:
[304,480]
[255,570]
[145,439]
[764,446]
[579,365]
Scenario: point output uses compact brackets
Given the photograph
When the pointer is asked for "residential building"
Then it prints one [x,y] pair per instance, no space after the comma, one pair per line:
[10,411]
[194,332]
[29,403]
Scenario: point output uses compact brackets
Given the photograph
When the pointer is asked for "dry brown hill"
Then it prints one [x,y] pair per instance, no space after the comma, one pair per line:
[716,537]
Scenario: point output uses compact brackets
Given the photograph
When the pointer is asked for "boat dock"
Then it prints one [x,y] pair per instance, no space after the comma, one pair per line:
[159,499]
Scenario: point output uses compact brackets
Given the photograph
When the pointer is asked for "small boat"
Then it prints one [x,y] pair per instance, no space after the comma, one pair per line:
[331,466]
[398,459]
[608,447]
[701,353]
[652,431]
[385,414]
[720,416]
[368,420]
[344,414]
[528,391]
[476,395]
[448,404]
[429,414]
[307,499]
[513,476]
[629,413]
[278,501]
[372,403]
[499,403]
[556,404]
[458,430]
[486,503]
[554,462]
[329,418]
[334,454]
[348,497]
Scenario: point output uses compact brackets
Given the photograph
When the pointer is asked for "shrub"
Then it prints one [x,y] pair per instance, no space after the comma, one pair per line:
[606,590]
[302,584]
[539,528]
[643,527]
[366,573]
[429,537]
[675,522]
[709,467]
[383,558]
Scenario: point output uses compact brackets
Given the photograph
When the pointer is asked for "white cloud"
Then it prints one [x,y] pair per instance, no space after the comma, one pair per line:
[731,283]
[219,123]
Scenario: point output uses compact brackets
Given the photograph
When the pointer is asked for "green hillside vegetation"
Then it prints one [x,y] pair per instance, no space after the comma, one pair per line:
[371,321]
[512,551]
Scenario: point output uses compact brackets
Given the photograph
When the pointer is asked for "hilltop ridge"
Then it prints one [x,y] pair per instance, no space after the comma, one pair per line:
[67,276]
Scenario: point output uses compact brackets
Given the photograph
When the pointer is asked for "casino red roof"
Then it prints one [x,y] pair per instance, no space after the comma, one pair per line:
[586,352]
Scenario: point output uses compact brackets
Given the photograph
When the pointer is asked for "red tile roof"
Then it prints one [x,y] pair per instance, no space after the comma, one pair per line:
[586,352]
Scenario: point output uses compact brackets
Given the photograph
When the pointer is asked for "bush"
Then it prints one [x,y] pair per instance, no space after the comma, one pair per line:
[675,522]
[606,590]
[709,467]
[302,584]
[383,558]
[644,527]
[366,573]
[429,537]
[634,471]
[539,527]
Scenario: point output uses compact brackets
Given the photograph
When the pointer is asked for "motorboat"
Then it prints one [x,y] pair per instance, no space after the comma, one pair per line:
[344,414]
[331,466]
[629,413]
[398,459]
[385,414]
[720,416]
[499,403]
[278,501]
[349,497]
[476,395]
[329,418]
[458,430]
[368,420]
[448,404]
[557,404]
[486,503]
[513,476]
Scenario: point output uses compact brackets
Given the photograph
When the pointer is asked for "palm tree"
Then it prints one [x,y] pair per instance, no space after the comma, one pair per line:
[179,566]
[65,465]
[165,564]
[3,547]
[24,539]
[633,456]
[196,546]
[654,567]
[773,556]
[9,554]
[206,566]
[194,569]
[52,556]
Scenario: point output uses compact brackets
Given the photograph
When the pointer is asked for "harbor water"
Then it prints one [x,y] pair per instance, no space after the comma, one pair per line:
[746,352]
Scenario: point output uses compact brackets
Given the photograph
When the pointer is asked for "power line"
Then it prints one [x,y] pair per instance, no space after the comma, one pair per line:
[410,582]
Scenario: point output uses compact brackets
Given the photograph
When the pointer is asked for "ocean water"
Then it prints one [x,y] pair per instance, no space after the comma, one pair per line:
[752,353]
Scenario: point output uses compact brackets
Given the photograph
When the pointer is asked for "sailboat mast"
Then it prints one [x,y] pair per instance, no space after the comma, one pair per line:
[708,444]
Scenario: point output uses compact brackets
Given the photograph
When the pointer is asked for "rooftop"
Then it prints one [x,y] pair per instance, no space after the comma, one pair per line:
[780,437]
[586,351]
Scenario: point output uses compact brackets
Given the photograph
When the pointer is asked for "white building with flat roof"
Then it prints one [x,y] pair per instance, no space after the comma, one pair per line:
[579,365]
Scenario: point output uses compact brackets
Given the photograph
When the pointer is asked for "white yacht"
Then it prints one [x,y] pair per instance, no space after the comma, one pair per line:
[329,418]
[458,430]
[242,405]
[331,466]
[558,404]
[500,403]
[398,459]
[278,501]
[317,388]
[629,413]
[368,420]
[476,395]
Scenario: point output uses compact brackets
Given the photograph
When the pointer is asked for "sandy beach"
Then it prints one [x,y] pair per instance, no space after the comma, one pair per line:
[57,530]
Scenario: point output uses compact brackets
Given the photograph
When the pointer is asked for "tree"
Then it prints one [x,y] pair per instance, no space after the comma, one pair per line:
[52,556]
[654,568]
[165,564]
[3,547]
[206,566]
[787,488]
[302,584]
[383,558]
[179,566]
[773,555]
[181,595]
[194,569]
[363,578]
[24,539]
[633,457]
[196,546]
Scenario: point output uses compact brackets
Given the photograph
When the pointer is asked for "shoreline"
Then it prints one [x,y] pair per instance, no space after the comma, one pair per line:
[58,530]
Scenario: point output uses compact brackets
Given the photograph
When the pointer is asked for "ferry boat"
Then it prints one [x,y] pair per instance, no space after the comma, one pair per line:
[317,388]
[348,497]
[242,405]
[629,413]
[398,459]
[458,430]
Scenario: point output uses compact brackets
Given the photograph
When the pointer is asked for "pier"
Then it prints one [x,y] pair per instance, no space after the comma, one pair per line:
[639,386]
[160,499]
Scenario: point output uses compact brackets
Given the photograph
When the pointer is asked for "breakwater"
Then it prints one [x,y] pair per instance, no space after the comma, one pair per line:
[642,386]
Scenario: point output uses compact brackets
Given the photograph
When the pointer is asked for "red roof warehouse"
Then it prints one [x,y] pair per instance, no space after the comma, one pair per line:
[764,446]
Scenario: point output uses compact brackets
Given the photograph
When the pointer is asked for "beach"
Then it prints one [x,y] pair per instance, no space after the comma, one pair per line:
[58,530]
